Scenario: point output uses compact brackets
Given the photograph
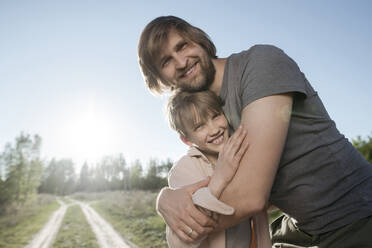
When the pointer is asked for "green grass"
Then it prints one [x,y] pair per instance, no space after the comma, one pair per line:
[17,228]
[75,231]
[133,215]
[65,200]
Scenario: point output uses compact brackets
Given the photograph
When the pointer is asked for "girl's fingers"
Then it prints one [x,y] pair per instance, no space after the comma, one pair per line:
[237,141]
[243,148]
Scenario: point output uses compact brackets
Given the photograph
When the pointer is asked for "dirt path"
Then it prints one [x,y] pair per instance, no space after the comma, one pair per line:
[107,237]
[45,237]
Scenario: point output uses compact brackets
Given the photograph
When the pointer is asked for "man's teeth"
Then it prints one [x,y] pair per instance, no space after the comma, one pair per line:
[218,140]
[190,70]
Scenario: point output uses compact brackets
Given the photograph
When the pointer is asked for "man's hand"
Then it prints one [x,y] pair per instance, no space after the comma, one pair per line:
[181,215]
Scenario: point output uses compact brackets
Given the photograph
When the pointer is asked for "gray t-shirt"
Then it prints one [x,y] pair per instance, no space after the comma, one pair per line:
[322,181]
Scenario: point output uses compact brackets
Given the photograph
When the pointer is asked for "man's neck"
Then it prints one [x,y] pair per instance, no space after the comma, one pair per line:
[219,65]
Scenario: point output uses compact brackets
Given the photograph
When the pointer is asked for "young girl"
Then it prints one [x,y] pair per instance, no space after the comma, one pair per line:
[201,124]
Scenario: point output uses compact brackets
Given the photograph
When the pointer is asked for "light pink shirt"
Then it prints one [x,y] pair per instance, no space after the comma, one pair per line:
[192,168]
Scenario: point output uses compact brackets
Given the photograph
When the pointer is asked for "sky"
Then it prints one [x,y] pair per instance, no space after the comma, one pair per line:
[69,69]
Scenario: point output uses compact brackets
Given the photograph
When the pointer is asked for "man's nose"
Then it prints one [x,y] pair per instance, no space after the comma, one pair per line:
[181,61]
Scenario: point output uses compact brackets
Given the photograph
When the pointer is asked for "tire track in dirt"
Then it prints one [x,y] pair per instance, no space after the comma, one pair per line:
[45,237]
[107,237]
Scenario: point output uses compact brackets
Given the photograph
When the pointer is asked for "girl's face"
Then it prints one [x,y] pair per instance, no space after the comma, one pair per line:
[210,135]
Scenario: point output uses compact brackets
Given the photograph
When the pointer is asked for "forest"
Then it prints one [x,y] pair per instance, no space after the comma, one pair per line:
[23,174]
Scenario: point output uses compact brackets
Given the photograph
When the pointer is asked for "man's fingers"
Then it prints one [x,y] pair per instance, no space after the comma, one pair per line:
[183,236]
[194,225]
[195,219]
[191,233]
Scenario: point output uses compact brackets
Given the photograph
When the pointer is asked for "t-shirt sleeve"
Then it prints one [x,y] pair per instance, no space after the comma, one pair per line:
[269,71]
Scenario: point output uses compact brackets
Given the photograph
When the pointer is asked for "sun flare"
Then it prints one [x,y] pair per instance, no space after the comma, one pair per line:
[89,135]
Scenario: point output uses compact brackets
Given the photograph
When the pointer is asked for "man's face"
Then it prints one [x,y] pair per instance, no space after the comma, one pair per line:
[184,64]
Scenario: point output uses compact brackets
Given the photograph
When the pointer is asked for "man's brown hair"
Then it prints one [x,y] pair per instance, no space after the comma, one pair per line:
[186,110]
[153,37]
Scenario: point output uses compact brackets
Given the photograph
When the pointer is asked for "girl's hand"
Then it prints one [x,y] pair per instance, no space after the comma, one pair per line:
[228,161]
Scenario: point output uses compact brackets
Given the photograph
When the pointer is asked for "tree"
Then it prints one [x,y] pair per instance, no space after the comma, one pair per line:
[84,180]
[364,147]
[153,179]
[59,177]
[23,168]
[165,167]
[135,171]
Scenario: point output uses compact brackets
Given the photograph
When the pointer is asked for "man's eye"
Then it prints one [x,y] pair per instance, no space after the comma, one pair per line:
[181,46]
[165,63]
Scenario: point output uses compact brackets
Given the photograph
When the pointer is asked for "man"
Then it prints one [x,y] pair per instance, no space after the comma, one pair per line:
[297,159]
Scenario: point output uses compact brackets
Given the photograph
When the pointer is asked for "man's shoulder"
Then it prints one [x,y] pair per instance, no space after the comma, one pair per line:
[260,51]
[265,48]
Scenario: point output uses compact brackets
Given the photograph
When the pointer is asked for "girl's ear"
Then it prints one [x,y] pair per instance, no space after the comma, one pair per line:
[185,140]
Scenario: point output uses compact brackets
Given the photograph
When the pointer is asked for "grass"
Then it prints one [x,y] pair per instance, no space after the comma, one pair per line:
[132,214]
[75,231]
[66,200]
[18,227]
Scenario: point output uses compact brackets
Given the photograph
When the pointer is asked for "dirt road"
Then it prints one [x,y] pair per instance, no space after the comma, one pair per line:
[45,237]
[107,237]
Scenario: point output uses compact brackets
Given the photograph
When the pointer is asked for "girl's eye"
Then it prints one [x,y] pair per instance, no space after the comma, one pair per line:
[198,127]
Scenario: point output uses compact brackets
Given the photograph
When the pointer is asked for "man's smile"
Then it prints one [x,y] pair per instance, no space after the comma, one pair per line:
[189,71]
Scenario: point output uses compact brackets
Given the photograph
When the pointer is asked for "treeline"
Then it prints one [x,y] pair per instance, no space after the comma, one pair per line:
[23,174]
[111,173]
[364,146]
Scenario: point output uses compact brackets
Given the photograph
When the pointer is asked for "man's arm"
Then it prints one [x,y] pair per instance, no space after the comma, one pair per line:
[179,212]
[176,206]
[266,121]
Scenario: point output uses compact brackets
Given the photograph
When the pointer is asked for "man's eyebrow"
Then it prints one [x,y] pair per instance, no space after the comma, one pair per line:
[180,44]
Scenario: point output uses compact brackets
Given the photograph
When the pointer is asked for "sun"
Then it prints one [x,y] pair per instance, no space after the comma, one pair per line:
[89,135]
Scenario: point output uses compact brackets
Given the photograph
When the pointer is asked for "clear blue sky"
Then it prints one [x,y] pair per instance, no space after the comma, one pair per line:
[69,72]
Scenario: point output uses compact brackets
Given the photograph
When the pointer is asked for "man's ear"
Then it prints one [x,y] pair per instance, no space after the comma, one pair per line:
[185,140]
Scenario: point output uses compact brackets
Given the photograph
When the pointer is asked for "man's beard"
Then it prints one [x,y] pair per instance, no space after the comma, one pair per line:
[207,71]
